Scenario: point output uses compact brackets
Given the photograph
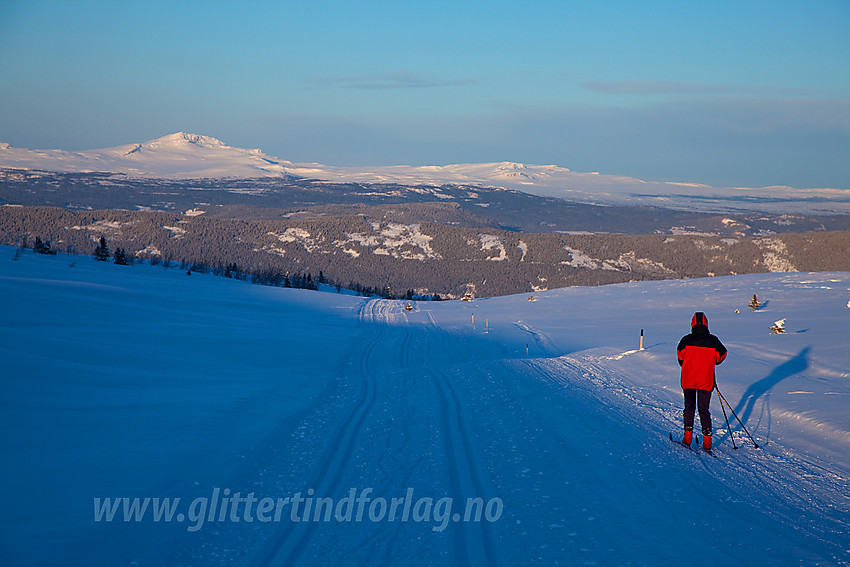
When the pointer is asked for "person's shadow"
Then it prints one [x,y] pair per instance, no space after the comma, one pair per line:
[758,389]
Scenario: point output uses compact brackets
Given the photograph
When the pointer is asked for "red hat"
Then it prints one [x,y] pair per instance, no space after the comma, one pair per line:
[699,319]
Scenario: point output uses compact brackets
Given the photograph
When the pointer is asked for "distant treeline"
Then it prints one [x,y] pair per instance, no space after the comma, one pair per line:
[405,260]
[470,206]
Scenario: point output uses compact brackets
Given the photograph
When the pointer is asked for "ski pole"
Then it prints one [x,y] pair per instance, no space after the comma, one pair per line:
[729,429]
[744,427]
[723,399]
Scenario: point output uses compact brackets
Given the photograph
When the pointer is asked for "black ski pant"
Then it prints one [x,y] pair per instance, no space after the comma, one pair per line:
[698,399]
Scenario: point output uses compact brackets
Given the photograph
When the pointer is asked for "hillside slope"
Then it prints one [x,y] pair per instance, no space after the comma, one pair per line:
[425,257]
[141,382]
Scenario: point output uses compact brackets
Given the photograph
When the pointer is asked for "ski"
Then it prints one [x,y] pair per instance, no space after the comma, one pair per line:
[690,448]
[707,451]
[677,442]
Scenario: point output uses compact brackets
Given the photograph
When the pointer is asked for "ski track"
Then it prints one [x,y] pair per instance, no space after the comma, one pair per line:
[813,498]
[328,472]
[392,382]
[544,343]
[411,362]
[473,542]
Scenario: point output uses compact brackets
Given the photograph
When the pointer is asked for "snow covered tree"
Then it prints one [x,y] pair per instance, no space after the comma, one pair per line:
[41,247]
[38,246]
[121,257]
[231,270]
[101,253]
[755,303]
[778,327]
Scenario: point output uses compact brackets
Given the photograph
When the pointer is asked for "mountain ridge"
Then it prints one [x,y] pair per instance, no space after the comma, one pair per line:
[180,155]
[183,155]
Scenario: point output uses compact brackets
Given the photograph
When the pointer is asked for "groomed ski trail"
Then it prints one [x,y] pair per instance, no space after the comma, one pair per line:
[407,428]
[287,547]
[440,409]
[474,542]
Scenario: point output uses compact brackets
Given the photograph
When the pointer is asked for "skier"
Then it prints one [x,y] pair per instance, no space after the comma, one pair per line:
[698,353]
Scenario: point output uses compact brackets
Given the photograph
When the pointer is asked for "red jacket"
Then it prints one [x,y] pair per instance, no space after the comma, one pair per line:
[698,353]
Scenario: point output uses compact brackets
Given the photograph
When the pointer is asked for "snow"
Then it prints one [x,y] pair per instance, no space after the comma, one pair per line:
[185,156]
[392,239]
[592,188]
[775,255]
[579,259]
[298,235]
[491,242]
[140,381]
[177,231]
[523,248]
[177,156]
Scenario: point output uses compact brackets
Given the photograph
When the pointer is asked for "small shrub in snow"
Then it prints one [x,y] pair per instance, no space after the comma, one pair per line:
[778,327]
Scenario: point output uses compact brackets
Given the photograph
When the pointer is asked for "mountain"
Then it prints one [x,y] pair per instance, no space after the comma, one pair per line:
[233,205]
[190,156]
[176,156]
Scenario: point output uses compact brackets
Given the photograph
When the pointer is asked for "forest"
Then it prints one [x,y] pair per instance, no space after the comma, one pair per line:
[398,258]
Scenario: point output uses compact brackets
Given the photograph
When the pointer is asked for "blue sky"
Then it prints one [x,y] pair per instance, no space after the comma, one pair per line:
[727,93]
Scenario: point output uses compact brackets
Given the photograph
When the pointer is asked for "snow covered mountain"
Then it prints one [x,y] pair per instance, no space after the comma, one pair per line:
[137,382]
[188,156]
[176,156]
[601,189]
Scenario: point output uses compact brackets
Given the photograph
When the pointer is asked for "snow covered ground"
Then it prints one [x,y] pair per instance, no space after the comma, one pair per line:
[141,382]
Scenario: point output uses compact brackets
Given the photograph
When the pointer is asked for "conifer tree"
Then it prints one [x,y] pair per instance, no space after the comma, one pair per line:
[121,257]
[755,303]
[41,247]
[101,253]
[38,247]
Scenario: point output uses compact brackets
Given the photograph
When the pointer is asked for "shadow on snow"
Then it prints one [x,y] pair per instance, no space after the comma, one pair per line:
[757,390]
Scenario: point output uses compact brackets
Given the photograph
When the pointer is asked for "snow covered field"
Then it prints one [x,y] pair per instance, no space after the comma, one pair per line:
[141,382]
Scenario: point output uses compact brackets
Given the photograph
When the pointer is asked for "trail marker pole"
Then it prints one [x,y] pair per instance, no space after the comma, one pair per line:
[641,339]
